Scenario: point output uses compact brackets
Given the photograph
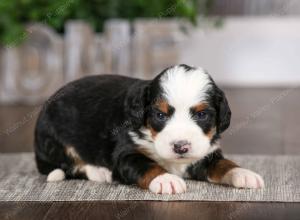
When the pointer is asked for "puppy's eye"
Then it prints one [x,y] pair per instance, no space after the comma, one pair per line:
[201,116]
[161,116]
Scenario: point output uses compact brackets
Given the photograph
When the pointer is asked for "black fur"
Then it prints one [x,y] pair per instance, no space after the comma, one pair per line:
[209,122]
[94,115]
[85,115]
[199,170]
[218,99]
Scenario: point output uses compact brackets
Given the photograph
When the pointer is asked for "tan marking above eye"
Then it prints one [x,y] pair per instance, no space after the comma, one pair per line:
[162,105]
[200,107]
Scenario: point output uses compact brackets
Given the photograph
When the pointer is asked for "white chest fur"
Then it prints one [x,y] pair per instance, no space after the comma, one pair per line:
[146,145]
[177,167]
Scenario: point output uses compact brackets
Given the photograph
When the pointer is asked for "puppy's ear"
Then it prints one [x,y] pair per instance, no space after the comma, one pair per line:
[223,111]
[136,104]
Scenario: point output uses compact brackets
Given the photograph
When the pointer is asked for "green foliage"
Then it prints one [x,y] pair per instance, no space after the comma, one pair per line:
[14,14]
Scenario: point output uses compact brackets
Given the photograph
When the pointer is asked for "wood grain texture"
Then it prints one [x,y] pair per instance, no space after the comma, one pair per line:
[149,210]
[154,46]
[118,33]
[79,50]
[32,71]
[16,127]
[257,120]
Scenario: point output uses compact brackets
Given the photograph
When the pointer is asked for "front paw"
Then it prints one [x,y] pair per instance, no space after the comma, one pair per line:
[167,184]
[243,178]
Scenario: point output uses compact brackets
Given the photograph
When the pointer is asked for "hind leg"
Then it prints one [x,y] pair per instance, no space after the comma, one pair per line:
[93,173]
[88,171]
[56,175]
[61,162]
[98,174]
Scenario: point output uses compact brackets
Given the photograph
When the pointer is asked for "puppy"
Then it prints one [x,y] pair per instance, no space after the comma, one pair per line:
[148,133]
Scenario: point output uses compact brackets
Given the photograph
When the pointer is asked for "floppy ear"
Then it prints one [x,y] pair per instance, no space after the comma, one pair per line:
[136,104]
[223,111]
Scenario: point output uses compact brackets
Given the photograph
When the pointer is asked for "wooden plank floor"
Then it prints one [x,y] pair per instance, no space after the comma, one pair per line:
[149,210]
[265,121]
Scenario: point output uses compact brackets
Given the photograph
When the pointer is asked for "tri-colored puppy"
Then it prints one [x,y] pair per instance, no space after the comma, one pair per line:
[149,133]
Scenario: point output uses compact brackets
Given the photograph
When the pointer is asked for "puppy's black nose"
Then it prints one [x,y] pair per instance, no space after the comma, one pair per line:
[181,147]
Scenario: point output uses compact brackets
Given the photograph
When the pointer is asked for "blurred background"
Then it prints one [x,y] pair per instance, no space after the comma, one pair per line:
[251,48]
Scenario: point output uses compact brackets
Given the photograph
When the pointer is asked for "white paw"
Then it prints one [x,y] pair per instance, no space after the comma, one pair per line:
[56,175]
[167,184]
[243,178]
[98,174]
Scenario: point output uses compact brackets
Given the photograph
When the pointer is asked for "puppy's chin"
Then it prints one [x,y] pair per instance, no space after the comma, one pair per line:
[180,159]
[184,160]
